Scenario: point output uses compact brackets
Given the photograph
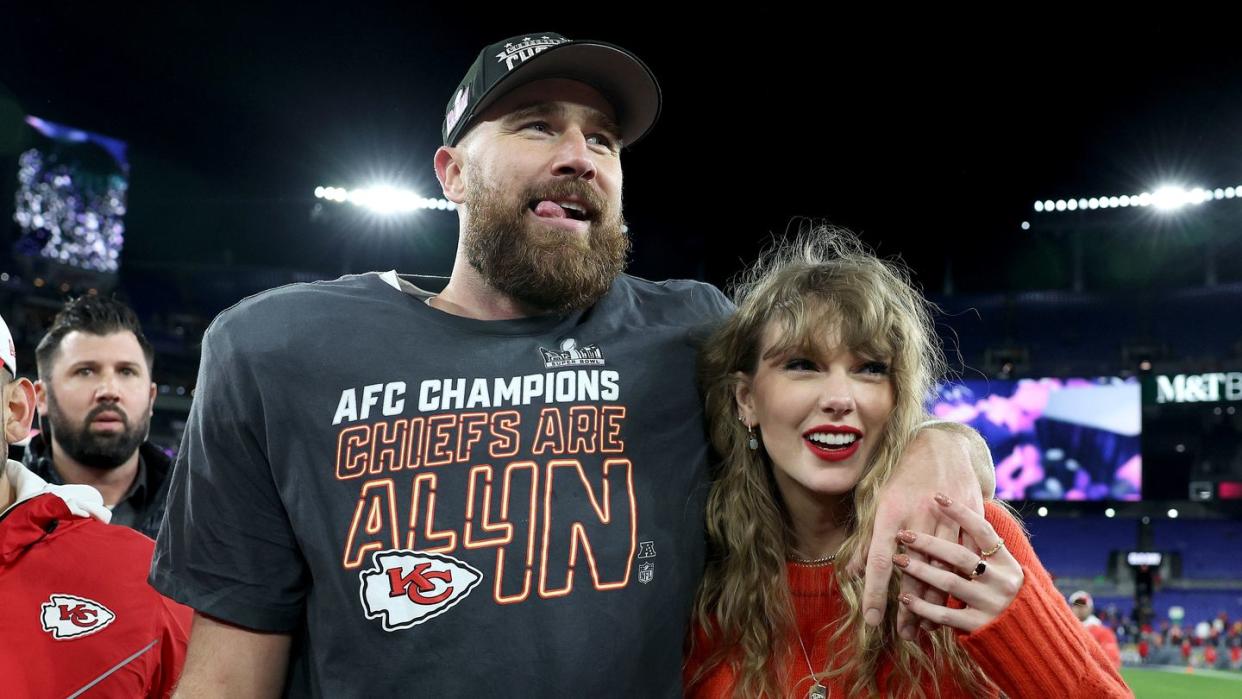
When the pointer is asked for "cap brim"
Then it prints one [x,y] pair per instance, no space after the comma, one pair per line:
[620,76]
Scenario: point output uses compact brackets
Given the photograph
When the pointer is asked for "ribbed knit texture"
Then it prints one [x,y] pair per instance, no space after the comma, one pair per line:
[1035,648]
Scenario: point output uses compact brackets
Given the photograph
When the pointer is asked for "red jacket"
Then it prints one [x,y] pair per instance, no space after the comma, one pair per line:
[1106,638]
[76,612]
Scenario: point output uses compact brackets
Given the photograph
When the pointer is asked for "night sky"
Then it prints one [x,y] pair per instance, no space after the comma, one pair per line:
[931,135]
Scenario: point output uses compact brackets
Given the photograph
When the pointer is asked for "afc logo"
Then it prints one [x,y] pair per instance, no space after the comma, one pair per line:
[406,588]
[68,616]
[646,569]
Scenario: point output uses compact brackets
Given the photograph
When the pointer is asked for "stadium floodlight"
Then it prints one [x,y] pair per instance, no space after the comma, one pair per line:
[1172,514]
[385,200]
[1110,512]
[1165,198]
[1170,198]
[1043,512]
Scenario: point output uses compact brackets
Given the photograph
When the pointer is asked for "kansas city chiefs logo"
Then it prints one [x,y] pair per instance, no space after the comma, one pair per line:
[406,588]
[67,616]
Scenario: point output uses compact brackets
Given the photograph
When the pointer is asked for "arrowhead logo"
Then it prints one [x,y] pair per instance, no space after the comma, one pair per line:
[68,616]
[406,588]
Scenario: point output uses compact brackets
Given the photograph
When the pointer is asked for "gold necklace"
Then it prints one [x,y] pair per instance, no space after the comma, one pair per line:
[822,561]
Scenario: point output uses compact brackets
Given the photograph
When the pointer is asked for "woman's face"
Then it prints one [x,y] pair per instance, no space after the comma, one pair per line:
[819,417]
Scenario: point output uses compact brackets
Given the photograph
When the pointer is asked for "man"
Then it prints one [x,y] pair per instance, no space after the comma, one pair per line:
[77,615]
[95,395]
[497,490]
[1084,608]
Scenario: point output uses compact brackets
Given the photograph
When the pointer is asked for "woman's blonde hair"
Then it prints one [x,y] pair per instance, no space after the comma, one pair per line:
[823,286]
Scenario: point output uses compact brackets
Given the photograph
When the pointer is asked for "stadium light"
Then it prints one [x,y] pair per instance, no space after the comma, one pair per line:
[1169,197]
[1043,512]
[1172,514]
[384,199]
[1110,512]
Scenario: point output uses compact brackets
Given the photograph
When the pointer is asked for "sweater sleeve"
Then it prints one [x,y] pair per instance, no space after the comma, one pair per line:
[1036,647]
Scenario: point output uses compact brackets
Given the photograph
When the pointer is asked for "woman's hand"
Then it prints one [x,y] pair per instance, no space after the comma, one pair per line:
[984,576]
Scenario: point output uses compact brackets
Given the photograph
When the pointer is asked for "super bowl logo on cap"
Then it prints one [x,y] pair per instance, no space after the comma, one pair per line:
[524,50]
[69,616]
[458,108]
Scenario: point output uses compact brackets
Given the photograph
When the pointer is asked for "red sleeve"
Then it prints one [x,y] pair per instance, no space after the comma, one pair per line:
[175,620]
[1036,647]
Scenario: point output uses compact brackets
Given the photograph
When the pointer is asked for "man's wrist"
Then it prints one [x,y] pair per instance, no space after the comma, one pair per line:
[975,448]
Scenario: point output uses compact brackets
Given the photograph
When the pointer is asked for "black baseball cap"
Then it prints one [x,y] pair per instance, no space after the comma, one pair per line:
[620,76]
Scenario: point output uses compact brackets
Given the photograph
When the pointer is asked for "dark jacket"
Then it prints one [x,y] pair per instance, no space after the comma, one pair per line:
[149,503]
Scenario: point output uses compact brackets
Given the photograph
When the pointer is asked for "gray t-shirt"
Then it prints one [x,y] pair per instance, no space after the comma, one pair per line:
[441,506]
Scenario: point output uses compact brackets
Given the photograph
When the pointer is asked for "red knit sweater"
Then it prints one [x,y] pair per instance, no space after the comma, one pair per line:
[1035,648]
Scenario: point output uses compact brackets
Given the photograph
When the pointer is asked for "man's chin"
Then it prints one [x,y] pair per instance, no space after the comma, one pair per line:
[551,238]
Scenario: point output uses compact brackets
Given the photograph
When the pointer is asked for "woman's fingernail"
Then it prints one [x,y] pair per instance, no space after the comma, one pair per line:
[907,536]
[943,499]
[902,560]
[906,600]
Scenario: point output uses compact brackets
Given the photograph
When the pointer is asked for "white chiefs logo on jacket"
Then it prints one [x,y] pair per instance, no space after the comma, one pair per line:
[406,588]
[68,616]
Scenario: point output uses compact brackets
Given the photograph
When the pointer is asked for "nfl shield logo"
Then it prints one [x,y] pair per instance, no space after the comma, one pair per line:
[645,572]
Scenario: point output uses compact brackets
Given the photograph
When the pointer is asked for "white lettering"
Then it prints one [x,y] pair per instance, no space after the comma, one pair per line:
[532,386]
[588,385]
[1170,390]
[394,398]
[1199,388]
[478,394]
[455,392]
[507,393]
[426,391]
[370,396]
[347,409]
[565,386]
[609,380]
[1233,386]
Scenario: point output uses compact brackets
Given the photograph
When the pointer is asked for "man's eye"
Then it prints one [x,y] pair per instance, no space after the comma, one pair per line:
[604,140]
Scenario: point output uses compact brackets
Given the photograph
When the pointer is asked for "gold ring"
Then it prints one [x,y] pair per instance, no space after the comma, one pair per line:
[992,551]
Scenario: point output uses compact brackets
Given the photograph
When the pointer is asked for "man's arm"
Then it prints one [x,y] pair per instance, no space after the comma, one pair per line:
[943,457]
[977,451]
[228,661]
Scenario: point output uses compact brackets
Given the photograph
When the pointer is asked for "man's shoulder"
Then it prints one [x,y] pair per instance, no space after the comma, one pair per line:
[304,296]
[686,296]
[295,314]
[82,543]
[117,543]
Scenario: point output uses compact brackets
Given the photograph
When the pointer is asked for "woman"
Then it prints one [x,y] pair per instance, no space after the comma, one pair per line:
[813,388]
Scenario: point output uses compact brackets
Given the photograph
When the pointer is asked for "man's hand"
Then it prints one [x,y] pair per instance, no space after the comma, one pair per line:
[942,458]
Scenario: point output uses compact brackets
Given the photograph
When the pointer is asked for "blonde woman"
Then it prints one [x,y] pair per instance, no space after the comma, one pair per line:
[814,387]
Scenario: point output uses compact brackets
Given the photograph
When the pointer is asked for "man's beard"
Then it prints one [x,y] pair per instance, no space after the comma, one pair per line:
[104,451]
[544,269]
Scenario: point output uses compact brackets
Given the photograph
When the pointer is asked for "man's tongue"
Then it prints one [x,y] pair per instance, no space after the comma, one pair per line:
[548,209]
